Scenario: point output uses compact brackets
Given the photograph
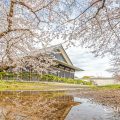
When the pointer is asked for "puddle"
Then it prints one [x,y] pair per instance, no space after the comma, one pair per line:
[35,105]
[88,110]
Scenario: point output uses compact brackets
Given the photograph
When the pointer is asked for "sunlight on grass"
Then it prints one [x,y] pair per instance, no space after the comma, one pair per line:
[40,86]
[116,86]
[13,85]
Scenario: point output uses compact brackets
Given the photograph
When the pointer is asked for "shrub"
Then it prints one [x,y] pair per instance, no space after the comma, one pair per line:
[48,77]
[7,75]
[45,77]
[53,78]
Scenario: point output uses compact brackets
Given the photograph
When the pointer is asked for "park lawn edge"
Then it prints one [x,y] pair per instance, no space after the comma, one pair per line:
[107,87]
[13,85]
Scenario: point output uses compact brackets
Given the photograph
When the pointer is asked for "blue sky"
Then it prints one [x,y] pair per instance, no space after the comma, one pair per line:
[93,66]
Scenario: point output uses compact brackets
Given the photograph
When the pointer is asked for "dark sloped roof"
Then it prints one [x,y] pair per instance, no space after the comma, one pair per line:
[71,66]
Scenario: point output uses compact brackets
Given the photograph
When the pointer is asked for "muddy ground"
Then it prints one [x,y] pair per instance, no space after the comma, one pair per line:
[106,97]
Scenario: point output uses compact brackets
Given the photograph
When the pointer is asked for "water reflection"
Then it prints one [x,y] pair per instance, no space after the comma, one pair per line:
[89,110]
[33,105]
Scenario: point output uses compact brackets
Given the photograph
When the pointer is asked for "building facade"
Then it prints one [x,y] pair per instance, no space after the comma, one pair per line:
[64,67]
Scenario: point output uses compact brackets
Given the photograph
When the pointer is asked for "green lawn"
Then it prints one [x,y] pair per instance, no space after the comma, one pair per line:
[42,86]
[13,85]
[116,86]
[47,86]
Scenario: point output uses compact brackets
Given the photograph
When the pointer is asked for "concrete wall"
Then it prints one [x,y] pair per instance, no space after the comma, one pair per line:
[104,81]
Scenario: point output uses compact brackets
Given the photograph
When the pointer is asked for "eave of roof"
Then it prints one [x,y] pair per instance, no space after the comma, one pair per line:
[60,47]
[71,66]
[66,54]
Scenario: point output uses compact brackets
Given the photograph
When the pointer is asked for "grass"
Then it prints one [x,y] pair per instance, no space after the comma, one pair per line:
[115,86]
[40,86]
[45,82]
[13,85]
[46,86]
[46,78]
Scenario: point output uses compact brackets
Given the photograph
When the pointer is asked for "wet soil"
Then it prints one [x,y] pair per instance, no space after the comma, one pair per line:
[106,97]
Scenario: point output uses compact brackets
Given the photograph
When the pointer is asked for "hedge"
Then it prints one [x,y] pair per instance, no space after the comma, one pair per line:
[53,78]
[46,77]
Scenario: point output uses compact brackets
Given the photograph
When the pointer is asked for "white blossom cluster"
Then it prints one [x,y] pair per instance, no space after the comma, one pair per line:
[24,24]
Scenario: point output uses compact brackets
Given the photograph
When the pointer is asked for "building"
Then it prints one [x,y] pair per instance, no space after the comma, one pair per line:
[64,67]
[101,81]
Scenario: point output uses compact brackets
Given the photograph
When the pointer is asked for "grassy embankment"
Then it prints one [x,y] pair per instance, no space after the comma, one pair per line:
[107,87]
[48,86]
[46,82]
[13,85]
[40,86]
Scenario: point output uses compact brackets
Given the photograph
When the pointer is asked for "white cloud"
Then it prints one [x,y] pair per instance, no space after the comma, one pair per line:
[84,59]
[93,66]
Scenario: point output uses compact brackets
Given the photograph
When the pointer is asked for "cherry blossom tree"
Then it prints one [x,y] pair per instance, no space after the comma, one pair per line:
[25,23]
[22,27]
[115,66]
[38,63]
[96,24]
